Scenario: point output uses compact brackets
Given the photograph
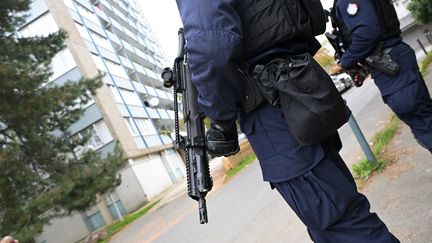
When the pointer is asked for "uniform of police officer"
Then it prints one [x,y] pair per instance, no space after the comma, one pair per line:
[313,179]
[364,24]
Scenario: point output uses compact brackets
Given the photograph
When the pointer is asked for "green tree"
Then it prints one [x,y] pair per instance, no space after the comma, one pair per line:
[421,10]
[41,175]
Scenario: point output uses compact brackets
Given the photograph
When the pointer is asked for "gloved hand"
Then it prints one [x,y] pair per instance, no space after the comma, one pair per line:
[358,75]
[222,138]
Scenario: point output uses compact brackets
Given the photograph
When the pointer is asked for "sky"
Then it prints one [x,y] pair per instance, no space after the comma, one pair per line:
[164,20]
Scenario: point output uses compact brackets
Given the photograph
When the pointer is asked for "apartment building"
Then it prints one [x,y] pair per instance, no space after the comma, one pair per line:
[132,107]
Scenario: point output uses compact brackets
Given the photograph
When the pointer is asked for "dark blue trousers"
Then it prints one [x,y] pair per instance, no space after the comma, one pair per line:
[413,105]
[407,95]
[327,201]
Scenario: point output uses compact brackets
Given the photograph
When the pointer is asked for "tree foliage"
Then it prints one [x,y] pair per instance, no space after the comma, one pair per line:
[324,58]
[421,10]
[41,175]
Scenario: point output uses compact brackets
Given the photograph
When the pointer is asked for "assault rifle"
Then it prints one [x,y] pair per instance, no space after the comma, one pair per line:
[199,181]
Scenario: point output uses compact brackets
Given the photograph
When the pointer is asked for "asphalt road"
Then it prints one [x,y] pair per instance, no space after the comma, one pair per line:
[246,210]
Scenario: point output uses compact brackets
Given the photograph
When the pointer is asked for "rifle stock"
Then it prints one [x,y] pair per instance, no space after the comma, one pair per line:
[199,180]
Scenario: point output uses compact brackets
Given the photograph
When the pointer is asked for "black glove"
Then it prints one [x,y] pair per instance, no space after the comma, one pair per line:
[222,138]
[358,74]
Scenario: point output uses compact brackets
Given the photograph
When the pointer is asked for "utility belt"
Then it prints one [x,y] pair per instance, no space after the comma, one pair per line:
[310,102]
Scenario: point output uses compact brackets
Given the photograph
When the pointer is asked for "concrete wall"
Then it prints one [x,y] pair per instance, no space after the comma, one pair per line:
[152,176]
[130,191]
[148,173]
[67,229]
[176,164]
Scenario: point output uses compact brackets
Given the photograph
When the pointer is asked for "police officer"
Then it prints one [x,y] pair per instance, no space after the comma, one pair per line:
[363,25]
[313,179]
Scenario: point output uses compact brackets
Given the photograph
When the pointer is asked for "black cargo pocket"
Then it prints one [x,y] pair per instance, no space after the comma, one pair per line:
[406,100]
[316,208]
[257,136]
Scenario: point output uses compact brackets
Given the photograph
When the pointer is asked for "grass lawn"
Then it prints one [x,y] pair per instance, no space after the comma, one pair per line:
[243,164]
[425,63]
[363,169]
[113,228]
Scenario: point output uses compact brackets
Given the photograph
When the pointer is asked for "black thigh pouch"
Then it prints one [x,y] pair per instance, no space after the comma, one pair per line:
[310,102]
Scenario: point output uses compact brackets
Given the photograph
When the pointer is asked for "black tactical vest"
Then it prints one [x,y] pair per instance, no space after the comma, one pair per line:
[387,17]
[267,23]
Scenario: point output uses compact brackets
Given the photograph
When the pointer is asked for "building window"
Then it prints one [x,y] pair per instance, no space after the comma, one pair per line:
[83,32]
[95,141]
[113,211]
[42,26]
[99,63]
[88,14]
[116,69]
[116,94]
[62,63]
[103,131]
[151,73]
[101,40]
[145,126]
[131,125]
[130,97]
[117,202]
[98,134]
[96,220]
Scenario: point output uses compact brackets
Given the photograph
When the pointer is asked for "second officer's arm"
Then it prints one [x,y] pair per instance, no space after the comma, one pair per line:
[361,20]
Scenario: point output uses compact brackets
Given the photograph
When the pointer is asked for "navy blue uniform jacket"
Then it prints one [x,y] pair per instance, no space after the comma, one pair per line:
[213,35]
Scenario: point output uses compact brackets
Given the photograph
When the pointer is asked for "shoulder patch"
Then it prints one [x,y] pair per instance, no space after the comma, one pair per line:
[352,9]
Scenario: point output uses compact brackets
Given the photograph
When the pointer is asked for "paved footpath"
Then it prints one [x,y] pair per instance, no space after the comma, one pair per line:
[402,194]
[245,210]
